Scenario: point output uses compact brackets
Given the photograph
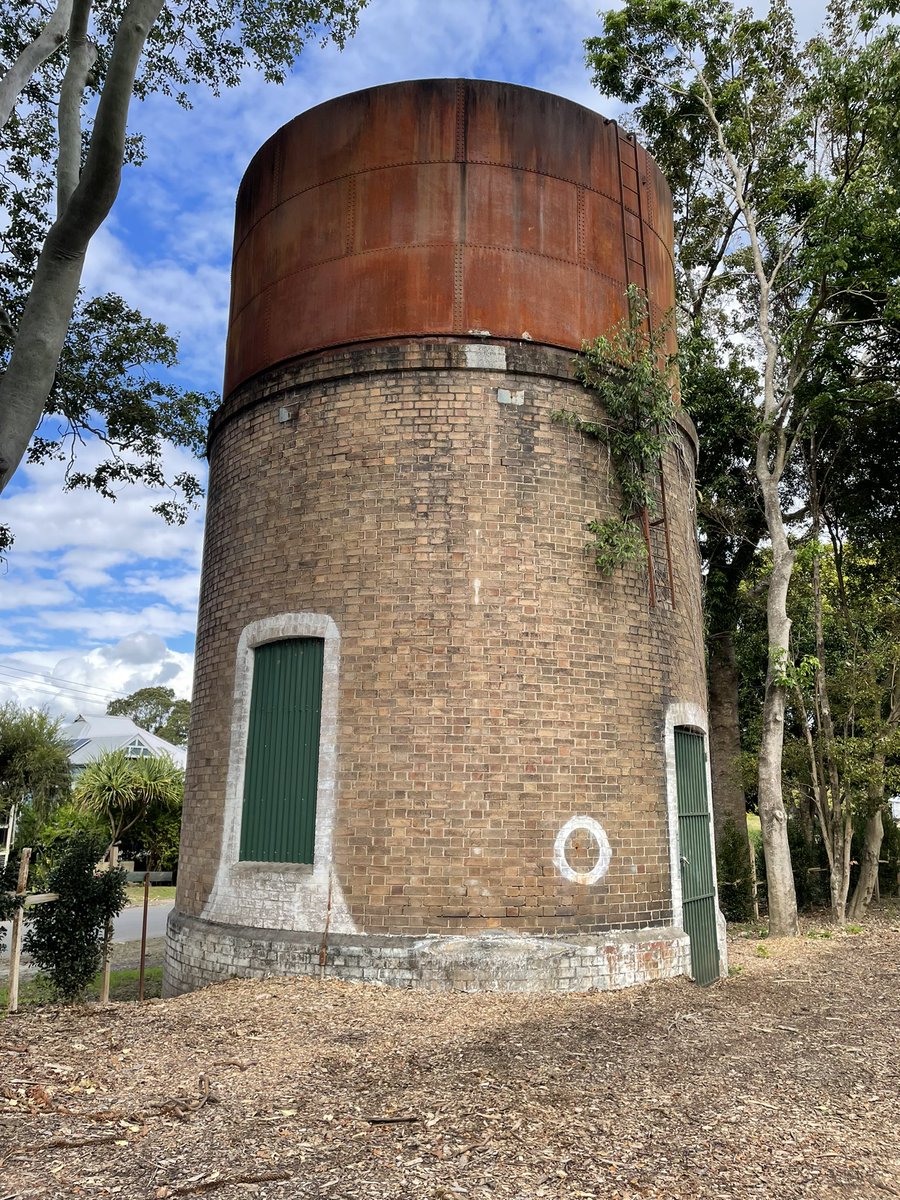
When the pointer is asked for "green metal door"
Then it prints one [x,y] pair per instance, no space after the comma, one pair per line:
[282,768]
[698,890]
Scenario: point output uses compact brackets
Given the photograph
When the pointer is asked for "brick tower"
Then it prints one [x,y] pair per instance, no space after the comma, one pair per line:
[430,743]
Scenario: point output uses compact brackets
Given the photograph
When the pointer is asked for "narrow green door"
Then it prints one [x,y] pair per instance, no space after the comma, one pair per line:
[281,775]
[698,889]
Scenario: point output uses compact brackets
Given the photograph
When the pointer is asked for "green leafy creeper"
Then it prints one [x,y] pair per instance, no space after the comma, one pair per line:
[629,375]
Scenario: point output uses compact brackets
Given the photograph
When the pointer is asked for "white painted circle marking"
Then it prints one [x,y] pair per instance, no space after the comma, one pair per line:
[595,830]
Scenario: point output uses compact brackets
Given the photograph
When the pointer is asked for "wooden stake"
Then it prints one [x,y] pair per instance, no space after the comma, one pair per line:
[15,949]
[144,933]
[107,936]
[10,833]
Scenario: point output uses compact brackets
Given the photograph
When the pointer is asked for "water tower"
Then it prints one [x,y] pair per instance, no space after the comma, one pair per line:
[431,744]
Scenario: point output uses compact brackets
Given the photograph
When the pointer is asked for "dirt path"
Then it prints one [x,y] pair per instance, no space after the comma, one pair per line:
[780,1082]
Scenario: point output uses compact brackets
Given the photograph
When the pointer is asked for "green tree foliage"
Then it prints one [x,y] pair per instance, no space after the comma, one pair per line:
[49,836]
[809,862]
[783,164]
[34,765]
[64,937]
[110,386]
[125,791]
[80,366]
[155,839]
[846,708]
[156,709]
[889,859]
[842,686]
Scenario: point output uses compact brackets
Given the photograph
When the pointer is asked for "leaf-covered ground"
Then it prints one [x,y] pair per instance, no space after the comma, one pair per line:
[783,1081]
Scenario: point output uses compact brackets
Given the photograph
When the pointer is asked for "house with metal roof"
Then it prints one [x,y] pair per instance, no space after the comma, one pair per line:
[89,737]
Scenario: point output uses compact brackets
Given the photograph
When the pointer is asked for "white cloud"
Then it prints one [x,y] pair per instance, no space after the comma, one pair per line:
[85,681]
[98,599]
[189,295]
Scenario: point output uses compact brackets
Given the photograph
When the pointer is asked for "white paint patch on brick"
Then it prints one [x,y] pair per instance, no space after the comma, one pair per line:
[486,358]
[694,717]
[289,896]
[504,396]
[597,833]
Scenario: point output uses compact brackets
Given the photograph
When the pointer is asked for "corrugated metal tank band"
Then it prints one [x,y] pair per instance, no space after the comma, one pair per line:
[443,207]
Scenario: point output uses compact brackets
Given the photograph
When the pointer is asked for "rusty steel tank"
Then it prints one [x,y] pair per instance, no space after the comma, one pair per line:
[431,744]
[443,207]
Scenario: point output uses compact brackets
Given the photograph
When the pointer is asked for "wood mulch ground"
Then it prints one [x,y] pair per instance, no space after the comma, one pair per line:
[781,1081]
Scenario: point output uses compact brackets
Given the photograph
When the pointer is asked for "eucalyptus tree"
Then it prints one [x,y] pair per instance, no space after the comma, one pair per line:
[782,159]
[850,713]
[846,697]
[67,79]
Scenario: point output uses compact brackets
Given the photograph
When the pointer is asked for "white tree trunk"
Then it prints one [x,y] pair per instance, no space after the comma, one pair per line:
[82,55]
[772,816]
[868,867]
[840,868]
[42,330]
[49,39]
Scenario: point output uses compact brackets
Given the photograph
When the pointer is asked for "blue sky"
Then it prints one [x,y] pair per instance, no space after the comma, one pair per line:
[97,599]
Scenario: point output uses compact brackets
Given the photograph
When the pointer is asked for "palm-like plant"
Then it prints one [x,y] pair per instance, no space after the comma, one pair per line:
[123,791]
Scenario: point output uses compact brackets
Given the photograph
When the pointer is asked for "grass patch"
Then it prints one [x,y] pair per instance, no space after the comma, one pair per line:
[123,985]
[159,892]
[754,829]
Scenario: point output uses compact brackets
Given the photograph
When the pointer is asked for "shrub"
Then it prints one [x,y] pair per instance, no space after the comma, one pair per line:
[809,864]
[64,937]
[8,902]
[49,837]
[809,861]
[733,874]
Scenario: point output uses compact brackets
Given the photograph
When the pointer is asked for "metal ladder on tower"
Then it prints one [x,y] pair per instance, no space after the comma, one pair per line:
[632,205]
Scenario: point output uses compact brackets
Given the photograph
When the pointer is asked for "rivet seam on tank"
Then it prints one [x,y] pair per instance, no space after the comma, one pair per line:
[593,828]
[491,358]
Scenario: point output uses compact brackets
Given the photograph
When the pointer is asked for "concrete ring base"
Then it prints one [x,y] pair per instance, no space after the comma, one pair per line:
[201,952]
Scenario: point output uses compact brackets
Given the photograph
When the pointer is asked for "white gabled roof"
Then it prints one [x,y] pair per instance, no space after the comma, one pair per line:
[89,737]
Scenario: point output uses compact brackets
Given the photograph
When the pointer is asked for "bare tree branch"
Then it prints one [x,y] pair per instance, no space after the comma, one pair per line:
[82,55]
[36,52]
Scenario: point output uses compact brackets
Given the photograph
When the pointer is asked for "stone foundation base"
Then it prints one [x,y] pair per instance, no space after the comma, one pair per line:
[200,952]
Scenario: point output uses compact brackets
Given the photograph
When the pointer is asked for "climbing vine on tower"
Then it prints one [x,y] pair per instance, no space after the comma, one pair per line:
[629,375]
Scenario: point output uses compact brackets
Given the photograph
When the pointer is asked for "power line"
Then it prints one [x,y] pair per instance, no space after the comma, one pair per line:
[49,688]
[46,676]
[77,693]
